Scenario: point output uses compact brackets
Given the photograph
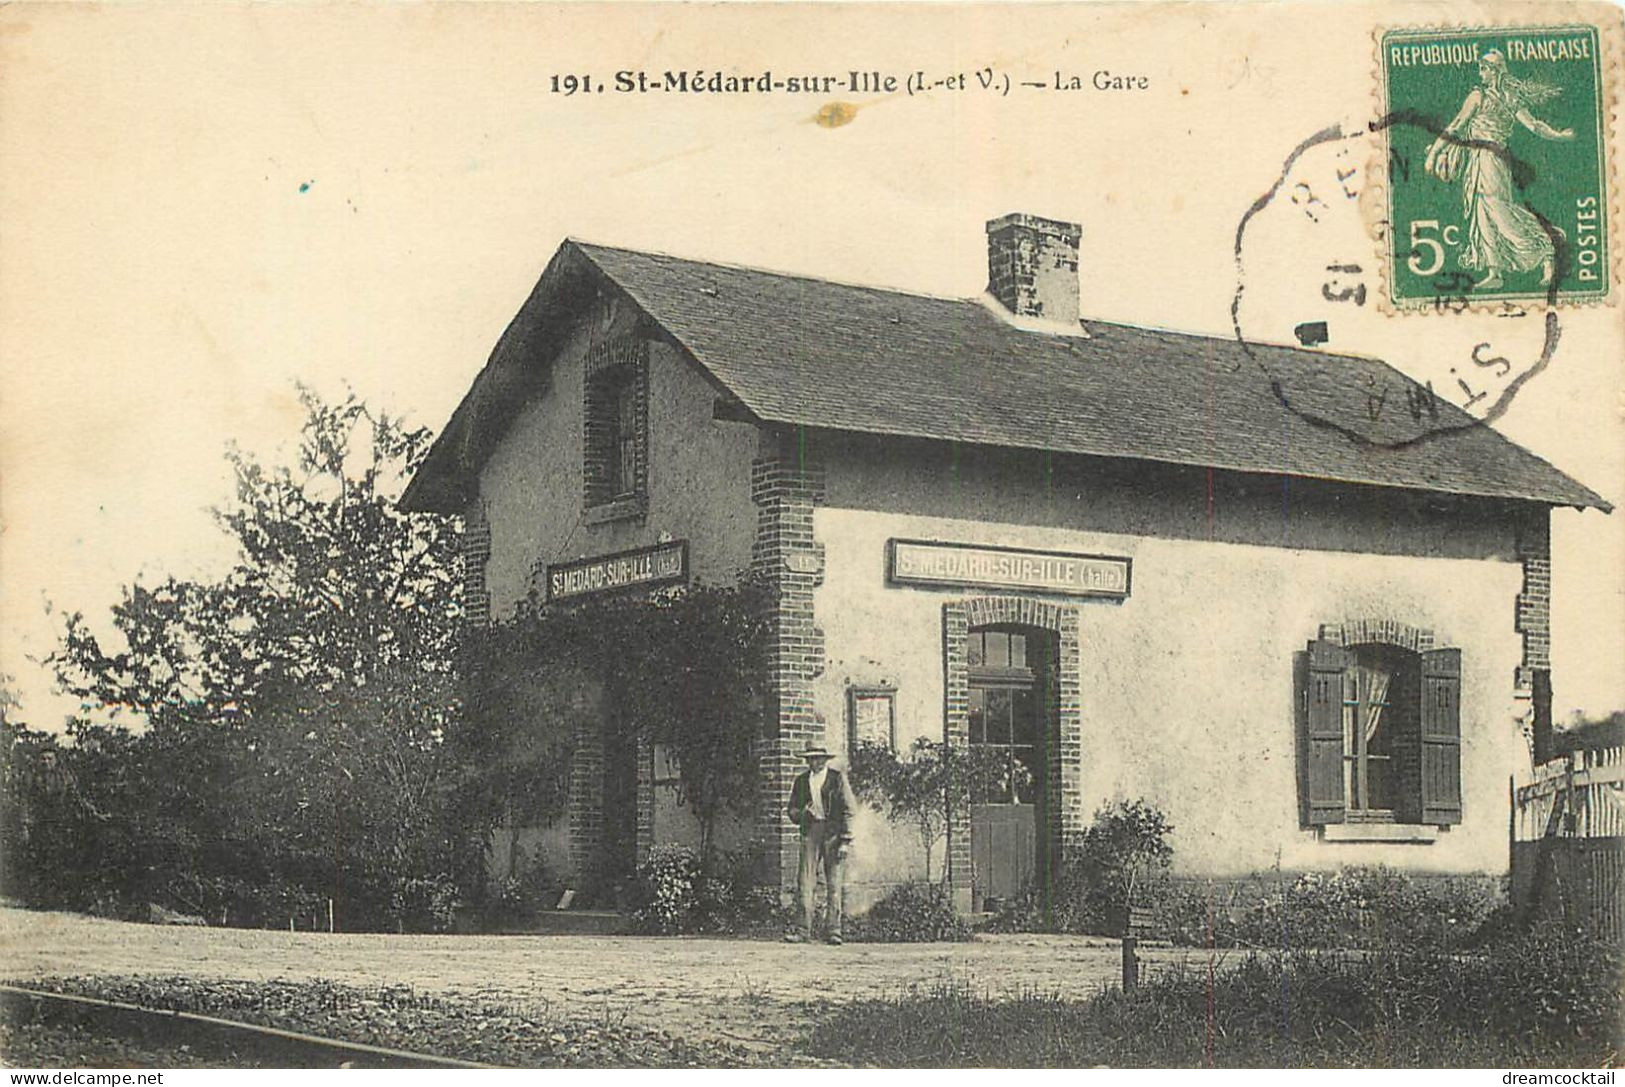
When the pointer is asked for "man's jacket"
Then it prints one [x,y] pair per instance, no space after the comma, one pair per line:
[838,802]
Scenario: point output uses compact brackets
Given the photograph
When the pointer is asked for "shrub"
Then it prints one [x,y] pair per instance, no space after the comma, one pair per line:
[1125,846]
[520,895]
[674,893]
[919,790]
[913,913]
[424,905]
[1356,907]
[728,899]
[666,890]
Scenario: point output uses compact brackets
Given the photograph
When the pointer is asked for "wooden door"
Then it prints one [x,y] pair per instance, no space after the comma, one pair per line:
[1007,729]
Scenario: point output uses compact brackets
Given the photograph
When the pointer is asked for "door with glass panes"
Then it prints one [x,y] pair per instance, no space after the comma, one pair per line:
[1007,719]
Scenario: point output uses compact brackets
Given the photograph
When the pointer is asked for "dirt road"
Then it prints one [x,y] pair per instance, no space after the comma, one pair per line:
[739,989]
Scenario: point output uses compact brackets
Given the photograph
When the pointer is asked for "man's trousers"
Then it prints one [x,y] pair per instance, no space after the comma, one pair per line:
[820,848]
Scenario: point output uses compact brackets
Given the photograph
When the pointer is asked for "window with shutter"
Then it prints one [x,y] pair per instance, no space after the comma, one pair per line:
[1320,709]
[1440,737]
[1379,734]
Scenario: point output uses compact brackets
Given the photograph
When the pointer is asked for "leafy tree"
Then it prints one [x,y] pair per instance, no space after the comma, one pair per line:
[685,669]
[284,724]
[923,788]
[526,697]
[31,800]
[692,677]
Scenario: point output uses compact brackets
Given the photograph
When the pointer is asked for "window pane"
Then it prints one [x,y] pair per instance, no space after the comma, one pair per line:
[609,419]
[998,649]
[1018,651]
[872,718]
[626,427]
[628,480]
[1350,796]
[626,407]
[998,716]
[1022,717]
[978,716]
[975,649]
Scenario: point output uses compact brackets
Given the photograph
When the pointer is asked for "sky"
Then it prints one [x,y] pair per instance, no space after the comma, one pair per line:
[201,205]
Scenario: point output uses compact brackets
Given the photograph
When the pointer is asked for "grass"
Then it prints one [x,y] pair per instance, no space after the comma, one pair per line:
[524,1034]
[1530,1002]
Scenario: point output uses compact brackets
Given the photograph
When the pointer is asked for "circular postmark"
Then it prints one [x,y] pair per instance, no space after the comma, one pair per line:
[1308,276]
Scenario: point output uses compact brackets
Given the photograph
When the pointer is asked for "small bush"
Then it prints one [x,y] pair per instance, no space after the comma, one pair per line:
[1356,907]
[521,895]
[268,902]
[1089,892]
[729,900]
[424,905]
[675,894]
[913,913]
[665,893]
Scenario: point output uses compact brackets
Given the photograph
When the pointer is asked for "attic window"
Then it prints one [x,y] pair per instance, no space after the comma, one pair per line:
[615,431]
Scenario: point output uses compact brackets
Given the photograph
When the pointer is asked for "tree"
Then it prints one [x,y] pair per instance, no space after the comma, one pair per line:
[693,679]
[685,669]
[286,721]
[923,788]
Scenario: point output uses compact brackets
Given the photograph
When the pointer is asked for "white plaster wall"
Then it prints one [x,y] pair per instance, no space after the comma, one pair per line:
[699,481]
[1187,686]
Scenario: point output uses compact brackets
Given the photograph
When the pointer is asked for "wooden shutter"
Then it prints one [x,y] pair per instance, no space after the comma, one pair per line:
[1320,733]
[1441,736]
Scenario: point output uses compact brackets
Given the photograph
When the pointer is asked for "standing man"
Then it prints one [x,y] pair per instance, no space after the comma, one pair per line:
[821,804]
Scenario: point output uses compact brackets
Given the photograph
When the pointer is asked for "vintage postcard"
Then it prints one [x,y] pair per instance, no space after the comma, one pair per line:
[658,535]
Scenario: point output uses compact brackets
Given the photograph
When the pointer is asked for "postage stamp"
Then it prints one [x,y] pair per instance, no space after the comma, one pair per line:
[1496,164]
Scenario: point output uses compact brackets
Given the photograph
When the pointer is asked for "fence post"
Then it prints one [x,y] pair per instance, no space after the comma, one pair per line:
[1512,826]
[1570,817]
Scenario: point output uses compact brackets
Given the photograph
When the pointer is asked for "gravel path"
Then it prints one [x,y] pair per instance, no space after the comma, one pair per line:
[697,987]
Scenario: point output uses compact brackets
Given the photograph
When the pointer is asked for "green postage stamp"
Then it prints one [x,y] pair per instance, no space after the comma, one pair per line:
[1497,168]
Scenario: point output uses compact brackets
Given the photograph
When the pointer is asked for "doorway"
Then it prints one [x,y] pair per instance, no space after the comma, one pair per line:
[1009,720]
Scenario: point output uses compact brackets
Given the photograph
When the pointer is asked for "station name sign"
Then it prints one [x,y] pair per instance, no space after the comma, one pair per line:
[644,567]
[1059,573]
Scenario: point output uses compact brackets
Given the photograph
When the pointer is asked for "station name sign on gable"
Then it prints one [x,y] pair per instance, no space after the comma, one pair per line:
[645,567]
[1059,573]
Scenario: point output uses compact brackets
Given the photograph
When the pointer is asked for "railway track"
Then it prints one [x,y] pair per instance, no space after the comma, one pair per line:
[233,1040]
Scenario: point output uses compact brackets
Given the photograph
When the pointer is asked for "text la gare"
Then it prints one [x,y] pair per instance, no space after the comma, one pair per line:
[1102,80]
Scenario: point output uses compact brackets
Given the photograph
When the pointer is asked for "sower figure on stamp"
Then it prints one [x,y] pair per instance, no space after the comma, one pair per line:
[821,804]
[1503,237]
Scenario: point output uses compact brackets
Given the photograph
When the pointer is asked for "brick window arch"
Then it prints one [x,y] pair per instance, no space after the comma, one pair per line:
[1379,726]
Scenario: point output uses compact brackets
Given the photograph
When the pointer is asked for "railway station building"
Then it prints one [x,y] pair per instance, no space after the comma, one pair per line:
[1133,562]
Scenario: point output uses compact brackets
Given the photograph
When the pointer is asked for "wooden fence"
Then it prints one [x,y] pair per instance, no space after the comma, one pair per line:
[1568,844]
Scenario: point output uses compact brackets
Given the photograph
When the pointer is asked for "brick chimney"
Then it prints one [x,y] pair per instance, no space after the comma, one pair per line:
[1032,267]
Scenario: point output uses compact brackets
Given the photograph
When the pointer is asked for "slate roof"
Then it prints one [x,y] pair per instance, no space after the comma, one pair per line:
[799,350]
